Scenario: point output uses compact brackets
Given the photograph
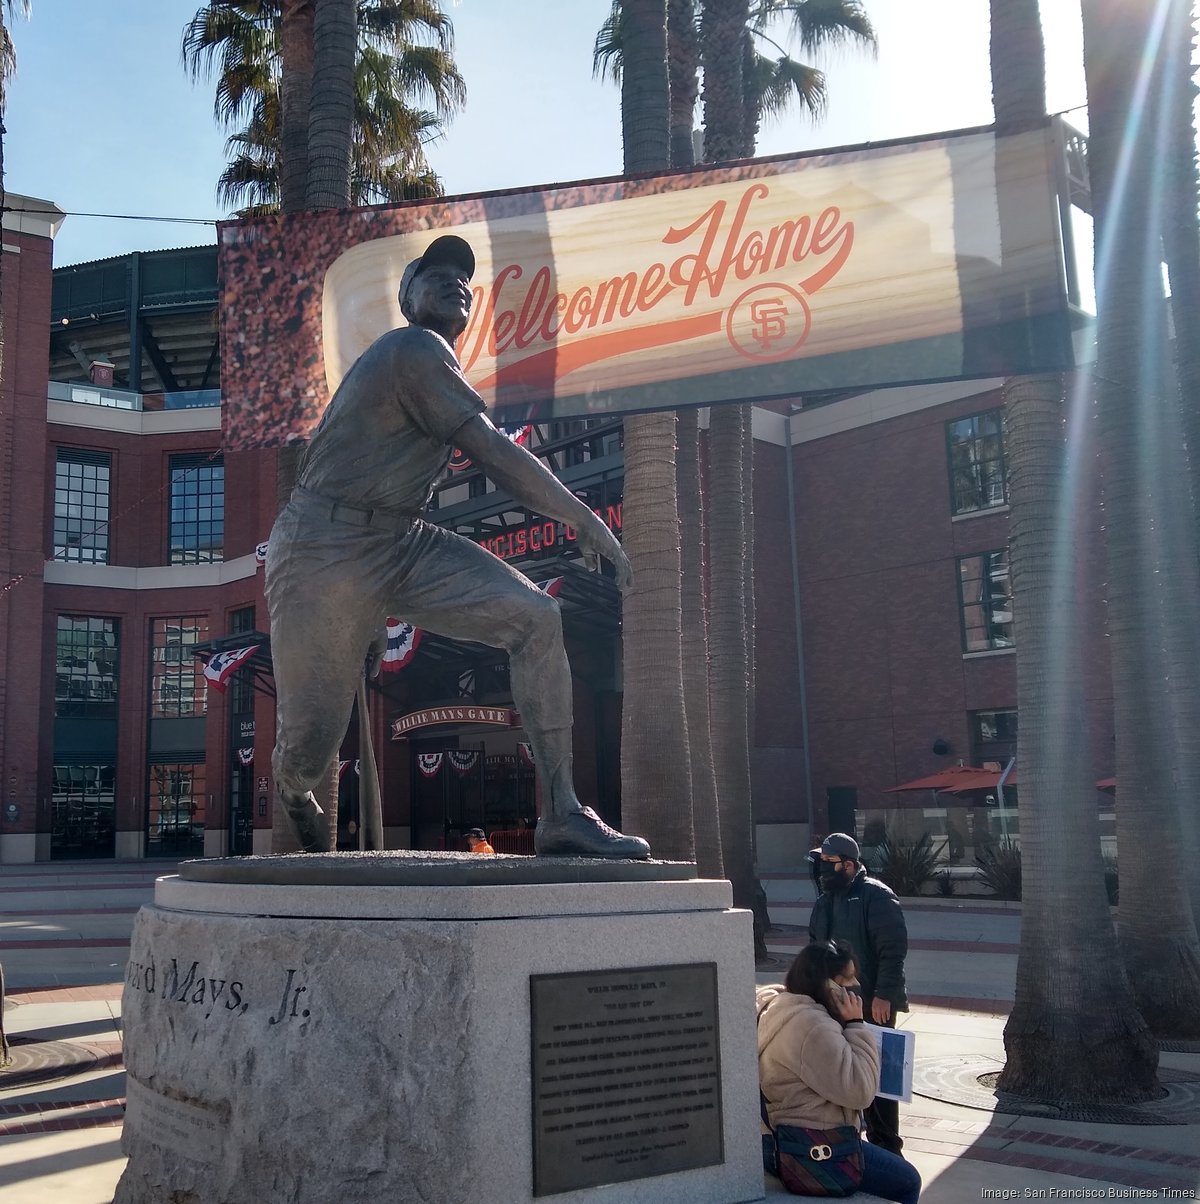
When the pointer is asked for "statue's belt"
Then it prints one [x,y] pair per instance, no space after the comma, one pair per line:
[339,512]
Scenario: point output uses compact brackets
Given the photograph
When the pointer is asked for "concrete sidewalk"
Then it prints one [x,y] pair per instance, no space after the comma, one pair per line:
[64,932]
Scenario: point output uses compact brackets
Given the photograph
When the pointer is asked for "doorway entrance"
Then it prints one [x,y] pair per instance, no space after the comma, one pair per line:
[457,786]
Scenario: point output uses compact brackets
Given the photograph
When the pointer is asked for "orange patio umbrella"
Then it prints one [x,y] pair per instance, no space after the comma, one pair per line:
[956,778]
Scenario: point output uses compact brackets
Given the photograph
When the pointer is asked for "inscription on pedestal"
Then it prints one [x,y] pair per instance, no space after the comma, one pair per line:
[626,1075]
[193,1130]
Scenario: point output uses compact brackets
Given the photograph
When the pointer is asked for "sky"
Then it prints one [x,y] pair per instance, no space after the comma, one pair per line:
[103,118]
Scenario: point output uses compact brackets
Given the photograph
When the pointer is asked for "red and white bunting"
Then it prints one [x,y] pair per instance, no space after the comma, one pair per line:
[223,665]
[552,586]
[429,764]
[464,762]
[526,751]
[245,756]
[403,641]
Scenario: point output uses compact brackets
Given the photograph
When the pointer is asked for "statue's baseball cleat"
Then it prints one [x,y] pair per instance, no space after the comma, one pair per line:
[584,834]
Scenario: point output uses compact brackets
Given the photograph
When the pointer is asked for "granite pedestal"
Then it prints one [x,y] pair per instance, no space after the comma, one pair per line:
[441,1029]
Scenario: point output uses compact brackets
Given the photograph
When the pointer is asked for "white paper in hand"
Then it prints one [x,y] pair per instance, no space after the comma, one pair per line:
[896,1046]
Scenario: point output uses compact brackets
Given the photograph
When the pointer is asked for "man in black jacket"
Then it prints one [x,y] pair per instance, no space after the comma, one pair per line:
[866,914]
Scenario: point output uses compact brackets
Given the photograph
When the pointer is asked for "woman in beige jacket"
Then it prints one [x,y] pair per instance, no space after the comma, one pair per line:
[818,1064]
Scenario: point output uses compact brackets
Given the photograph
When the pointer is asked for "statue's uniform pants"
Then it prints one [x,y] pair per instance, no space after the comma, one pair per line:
[330,586]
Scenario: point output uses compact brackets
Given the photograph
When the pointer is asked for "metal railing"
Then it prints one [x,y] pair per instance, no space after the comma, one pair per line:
[123,399]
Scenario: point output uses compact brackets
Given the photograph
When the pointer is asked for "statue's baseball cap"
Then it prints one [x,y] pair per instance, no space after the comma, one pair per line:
[448,248]
[838,844]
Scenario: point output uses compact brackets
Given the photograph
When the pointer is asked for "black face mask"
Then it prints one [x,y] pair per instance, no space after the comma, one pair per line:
[829,877]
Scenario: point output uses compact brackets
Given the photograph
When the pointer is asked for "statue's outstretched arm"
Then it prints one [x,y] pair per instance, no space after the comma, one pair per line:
[529,481]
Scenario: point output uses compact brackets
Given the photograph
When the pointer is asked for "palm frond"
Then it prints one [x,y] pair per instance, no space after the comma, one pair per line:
[819,24]
[8,57]
[8,52]
[783,81]
[429,75]
[404,70]
[404,22]
[608,49]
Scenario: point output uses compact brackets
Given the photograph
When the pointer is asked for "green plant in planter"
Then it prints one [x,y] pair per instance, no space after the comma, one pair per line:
[999,868]
[906,866]
[944,881]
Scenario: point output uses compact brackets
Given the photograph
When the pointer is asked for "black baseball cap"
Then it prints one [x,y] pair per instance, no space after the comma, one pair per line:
[838,844]
[448,248]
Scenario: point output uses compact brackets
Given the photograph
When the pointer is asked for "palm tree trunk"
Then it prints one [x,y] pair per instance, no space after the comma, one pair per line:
[317,76]
[751,101]
[1181,228]
[295,89]
[645,88]
[722,23]
[705,817]
[683,68]
[1074,1032]
[1157,930]
[331,106]
[730,678]
[656,795]
[655,770]
[1180,583]
[748,600]
[722,45]
[1181,246]
[1069,1002]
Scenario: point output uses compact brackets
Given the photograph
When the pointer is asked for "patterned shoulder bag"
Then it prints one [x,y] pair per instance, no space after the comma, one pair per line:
[814,1162]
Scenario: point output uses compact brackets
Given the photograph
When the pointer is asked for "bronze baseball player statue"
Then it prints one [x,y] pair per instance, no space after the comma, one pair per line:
[351,547]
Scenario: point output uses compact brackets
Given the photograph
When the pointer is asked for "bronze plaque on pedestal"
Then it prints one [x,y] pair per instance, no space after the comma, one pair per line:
[626,1075]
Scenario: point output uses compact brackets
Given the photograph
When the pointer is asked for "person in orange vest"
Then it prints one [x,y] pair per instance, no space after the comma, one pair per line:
[477,842]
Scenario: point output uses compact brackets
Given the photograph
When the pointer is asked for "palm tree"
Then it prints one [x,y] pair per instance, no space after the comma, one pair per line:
[766,85]
[250,183]
[1072,998]
[655,772]
[725,27]
[1123,53]
[316,40]
[696,685]
[406,87]
[771,85]
[740,85]
[8,53]
[1181,246]
[287,101]
[730,655]
[722,25]
[683,71]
